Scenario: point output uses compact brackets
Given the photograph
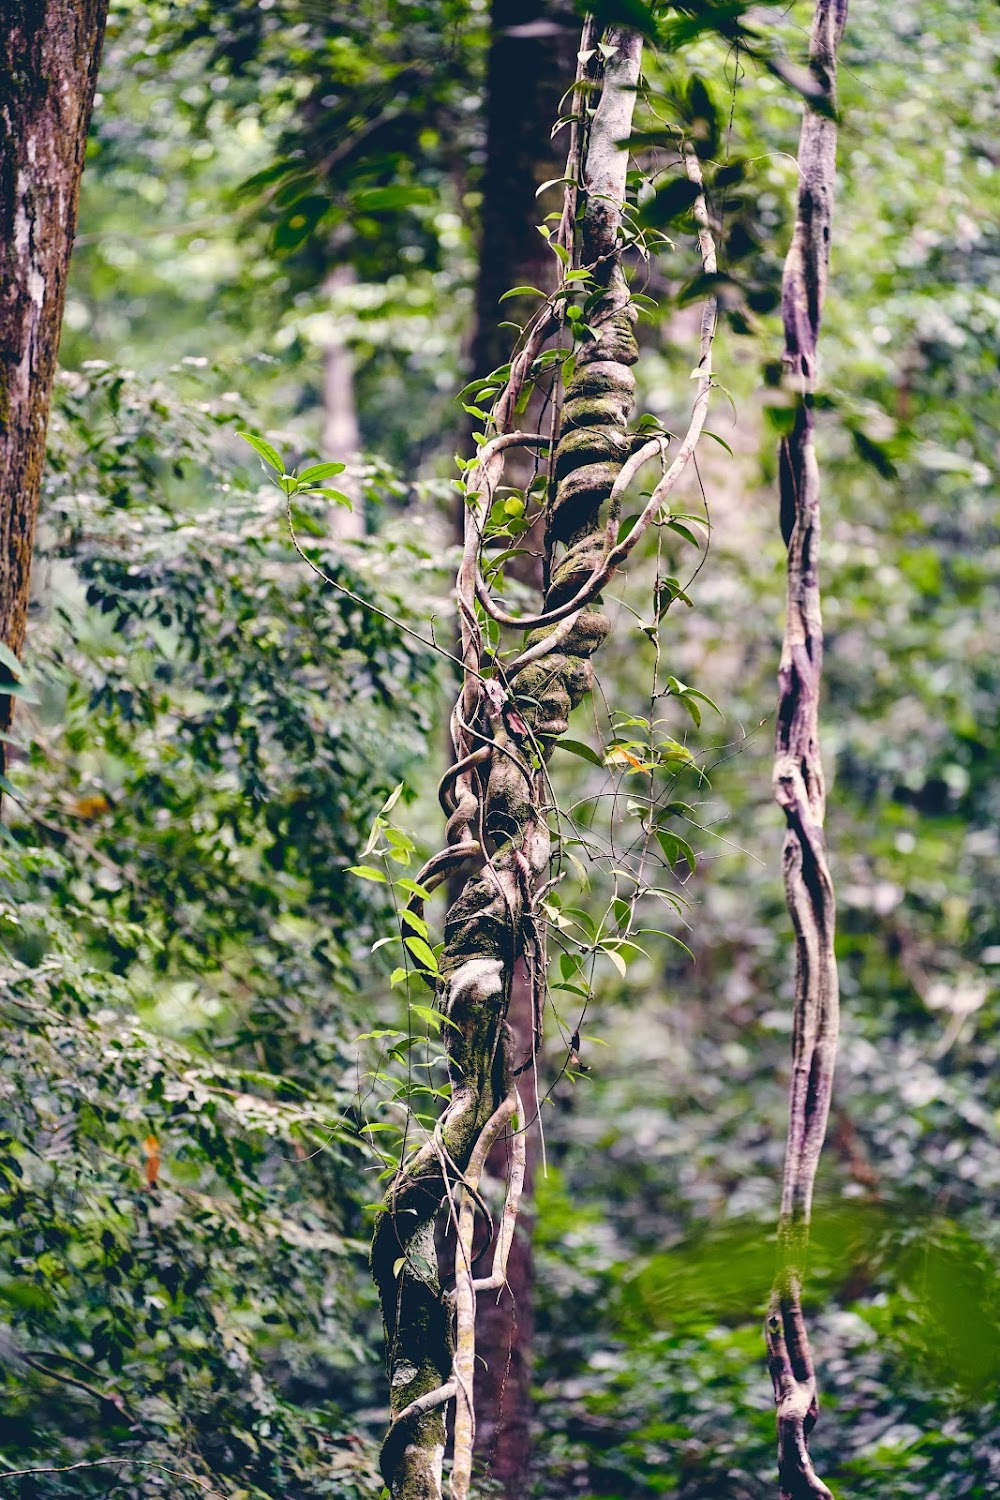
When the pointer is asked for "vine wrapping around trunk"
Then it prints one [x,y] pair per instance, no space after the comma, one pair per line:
[798,774]
[503,726]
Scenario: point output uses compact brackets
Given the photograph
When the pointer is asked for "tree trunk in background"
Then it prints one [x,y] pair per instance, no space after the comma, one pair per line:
[505,1325]
[49,55]
[341,439]
[531,64]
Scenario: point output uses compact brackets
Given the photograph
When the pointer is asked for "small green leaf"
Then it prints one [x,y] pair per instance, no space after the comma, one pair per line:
[398,976]
[337,495]
[398,1265]
[19,691]
[417,924]
[10,661]
[617,960]
[721,441]
[686,533]
[392,799]
[577,747]
[422,953]
[523,291]
[261,446]
[320,471]
[675,849]
[367,872]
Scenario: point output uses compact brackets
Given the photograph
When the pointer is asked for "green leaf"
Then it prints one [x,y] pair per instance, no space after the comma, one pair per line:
[522,291]
[10,661]
[422,953]
[367,872]
[670,203]
[577,747]
[675,849]
[721,441]
[393,798]
[20,692]
[320,471]
[617,960]
[263,447]
[398,976]
[687,534]
[417,924]
[337,495]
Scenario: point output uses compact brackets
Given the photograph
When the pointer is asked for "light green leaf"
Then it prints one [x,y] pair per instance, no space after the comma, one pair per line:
[320,471]
[263,447]
[10,661]
[422,953]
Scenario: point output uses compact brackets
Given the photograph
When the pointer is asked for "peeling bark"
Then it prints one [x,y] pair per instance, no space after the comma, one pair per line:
[798,777]
[49,55]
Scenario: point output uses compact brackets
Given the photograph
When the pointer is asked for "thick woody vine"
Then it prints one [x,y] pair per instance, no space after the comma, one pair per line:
[798,771]
[509,715]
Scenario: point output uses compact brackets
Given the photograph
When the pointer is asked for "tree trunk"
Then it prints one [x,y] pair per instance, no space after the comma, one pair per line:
[49,54]
[531,65]
[505,1320]
[498,837]
[341,439]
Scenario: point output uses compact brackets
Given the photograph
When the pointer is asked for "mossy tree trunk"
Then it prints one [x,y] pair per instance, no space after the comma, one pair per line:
[498,834]
[49,54]
[532,61]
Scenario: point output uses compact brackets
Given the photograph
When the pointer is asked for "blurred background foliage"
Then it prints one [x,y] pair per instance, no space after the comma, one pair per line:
[183,1284]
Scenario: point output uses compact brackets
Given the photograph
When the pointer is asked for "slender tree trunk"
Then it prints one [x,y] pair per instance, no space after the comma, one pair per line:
[49,55]
[498,835]
[531,65]
[340,415]
[505,1320]
[798,774]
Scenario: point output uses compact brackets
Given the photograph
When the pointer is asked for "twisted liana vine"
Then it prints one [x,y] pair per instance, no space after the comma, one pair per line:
[505,723]
[798,771]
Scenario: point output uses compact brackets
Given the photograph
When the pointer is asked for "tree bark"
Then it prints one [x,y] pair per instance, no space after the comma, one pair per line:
[531,64]
[505,1320]
[49,55]
[497,831]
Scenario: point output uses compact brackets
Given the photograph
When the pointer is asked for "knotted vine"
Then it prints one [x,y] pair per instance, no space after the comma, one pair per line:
[506,721]
[798,772]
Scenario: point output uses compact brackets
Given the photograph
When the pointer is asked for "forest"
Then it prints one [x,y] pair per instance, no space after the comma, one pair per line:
[499,750]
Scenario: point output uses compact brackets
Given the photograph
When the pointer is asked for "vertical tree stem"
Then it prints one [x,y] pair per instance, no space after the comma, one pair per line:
[49,53]
[498,825]
[798,774]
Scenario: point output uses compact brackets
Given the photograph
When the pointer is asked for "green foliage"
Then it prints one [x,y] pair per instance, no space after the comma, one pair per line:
[183,1255]
[218,731]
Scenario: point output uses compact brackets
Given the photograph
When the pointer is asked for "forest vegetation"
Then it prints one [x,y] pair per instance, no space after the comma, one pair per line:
[499,750]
